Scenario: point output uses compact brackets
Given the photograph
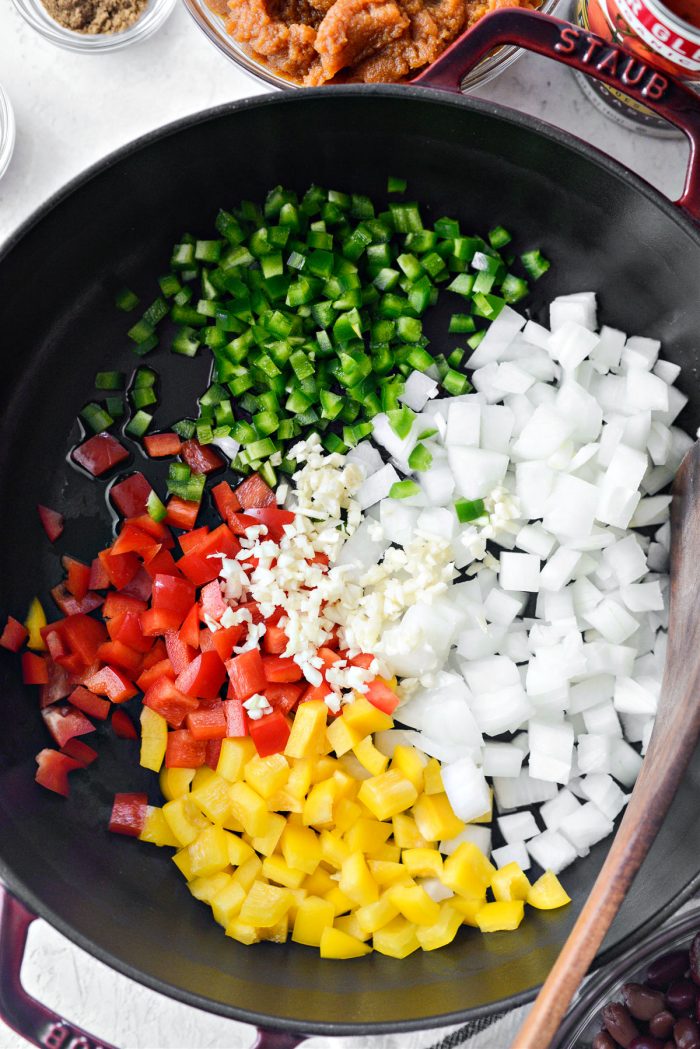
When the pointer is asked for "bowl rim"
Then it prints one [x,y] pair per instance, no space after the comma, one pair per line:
[7,131]
[486,108]
[35,15]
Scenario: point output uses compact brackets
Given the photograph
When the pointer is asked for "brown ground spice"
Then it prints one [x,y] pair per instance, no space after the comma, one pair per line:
[95,16]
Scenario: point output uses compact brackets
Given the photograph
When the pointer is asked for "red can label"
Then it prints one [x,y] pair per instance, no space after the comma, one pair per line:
[660,34]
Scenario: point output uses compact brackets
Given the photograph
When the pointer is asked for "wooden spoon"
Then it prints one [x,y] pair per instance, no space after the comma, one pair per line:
[672,743]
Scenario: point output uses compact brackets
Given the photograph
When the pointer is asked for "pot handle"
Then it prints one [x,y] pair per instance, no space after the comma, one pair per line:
[587,52]
[36,1022]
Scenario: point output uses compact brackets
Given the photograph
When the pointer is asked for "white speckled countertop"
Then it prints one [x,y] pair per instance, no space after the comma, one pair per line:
[71,110]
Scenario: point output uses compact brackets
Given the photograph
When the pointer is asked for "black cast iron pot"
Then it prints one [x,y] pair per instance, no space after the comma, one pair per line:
[604,229]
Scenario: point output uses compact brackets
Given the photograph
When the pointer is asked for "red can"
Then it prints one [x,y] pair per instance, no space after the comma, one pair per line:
[666,35]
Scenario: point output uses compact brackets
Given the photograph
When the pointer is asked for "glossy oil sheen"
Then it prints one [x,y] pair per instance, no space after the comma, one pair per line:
[604,232]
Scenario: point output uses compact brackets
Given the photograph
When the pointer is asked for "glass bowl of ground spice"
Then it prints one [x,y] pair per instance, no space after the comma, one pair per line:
[94,26]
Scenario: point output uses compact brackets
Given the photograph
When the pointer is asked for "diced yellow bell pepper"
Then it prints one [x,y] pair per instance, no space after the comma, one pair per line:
[338,944]
[374,916]
[234,755]
[341,736]
[364,718]
[468,909]
[183,862]
[277,933]
[341,903]
[388,852]
[301,848]
[283,801]
[367,835]
[278,871]
[184,819]
[246,934]
[441,932]
[334,850]
[435,819]
[227,902]
[324,767]
[249,809]
[432,777]
[314,914]
[156,829]
[406,833]
[398,939]
[385,872]
[347,784]
[299,780]
[248,872]
[154,738]
[212,797]
[422,863]
[265,905]
[319,883]
[410,762]
[369,757]
[297,896]
[175,782]
[267,843]
[205,889]
[349,924]
[346,814]
[209,852]
[357,882]
[239,851]
[308,735]
[267,775]
[510,883]
[35,621]
[502,916]
[487,816]
[415,904]
[388,794]
[318,807]
[547,893]
[467,871]
[202,776]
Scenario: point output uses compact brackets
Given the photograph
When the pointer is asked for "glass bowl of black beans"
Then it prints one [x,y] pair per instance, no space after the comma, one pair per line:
[649,998]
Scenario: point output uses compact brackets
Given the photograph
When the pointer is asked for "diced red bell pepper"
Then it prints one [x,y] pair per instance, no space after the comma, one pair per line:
[34,669]
[77,577]
[281,669]
[171,594]
[381,696]
[283,697]
[157,653]
[58,686]
[274,619]
[141,586]
[133,539]
[189,541]
[128,814]
[274,519]
[130,495]
[183,751]
[159,445]
[182,513]
[99,580]
[84,636]
[150,675]
[163,564]
[204,676]
[274,640]
[118,604]
[123,725]
[333,642]
[189,631]
[53,770]
[270,733]
[90,703]
[156,529]
[212,750]
[201,458]
[328,656]
[315,692]
[247,674]
[208,722]
[236,717]
[225,498]
[120,568]
[201,566]
[206,640]
[362,659]
[71,606]
[213,604]
[254,492]
[129,633]
[158,621]
[99,454]
[64,722]
[166,699]
[120,655]
[51,521]
[180,654]
[225,640]
[111,682]
[14,635]
[252,607]
[82,752]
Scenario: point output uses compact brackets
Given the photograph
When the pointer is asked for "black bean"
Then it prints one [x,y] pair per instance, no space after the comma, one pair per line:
[646,1041]
[642,1002]
[619,1023]
[667,968]
[681,997]
[687,1034]
[695,959]
[603,1041]
[661,1025]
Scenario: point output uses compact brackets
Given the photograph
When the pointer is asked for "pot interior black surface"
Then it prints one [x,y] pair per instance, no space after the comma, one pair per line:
[127,902]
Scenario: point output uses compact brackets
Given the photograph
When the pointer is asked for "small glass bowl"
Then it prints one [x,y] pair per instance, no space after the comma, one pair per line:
[7,131]
[212,25]
[583,1020]
[36,15]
